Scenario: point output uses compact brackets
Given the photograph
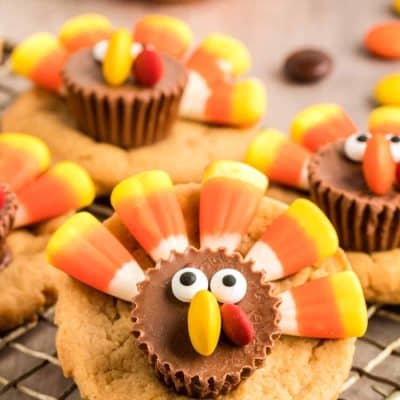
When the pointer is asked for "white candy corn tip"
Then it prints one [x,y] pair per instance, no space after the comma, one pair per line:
[288,324]
[178,243]
[124,283]
[265,260]
[194,99]
[227,241]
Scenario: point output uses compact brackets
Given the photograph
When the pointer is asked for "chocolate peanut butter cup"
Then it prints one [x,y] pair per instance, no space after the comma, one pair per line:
[8,208]
[161,327]
[129,115]
[364,221]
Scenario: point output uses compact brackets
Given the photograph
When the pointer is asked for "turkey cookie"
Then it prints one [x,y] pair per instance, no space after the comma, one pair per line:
[222,298]
[354,182]
[285,159]
[32,191]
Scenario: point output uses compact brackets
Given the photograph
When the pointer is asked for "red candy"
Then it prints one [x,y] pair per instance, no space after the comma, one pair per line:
[148,67]
[236,325]
[2,197]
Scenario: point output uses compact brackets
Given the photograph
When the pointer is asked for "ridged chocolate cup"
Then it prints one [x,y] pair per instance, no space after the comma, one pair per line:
[364,221]
[7,215]
[126,116]
[160,327]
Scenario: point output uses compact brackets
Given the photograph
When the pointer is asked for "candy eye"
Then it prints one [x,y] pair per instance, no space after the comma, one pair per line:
[228,285]
[394,141]
[355,145]
[100,49]
[187,282]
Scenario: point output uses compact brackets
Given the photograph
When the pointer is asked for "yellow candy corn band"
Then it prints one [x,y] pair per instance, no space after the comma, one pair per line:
[249,102]
[79,223]
[310,117]
[172,24]
[316,225]
[28,53]
[83,23]
[350,302]
[141,185]
[237,171]
[79,180]
[230,50]
[384,115]
[263,150]
[29,144]
[204,322]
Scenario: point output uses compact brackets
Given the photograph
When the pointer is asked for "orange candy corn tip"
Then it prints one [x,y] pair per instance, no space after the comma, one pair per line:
[238,104]
[283,161]
[22,158]
[40,58]
[230,196]
[84,249]
[379,168]
[167,34]
[385,119]
[300,237]
[148,207]
[84,31]
[321,124]
[332,307]
[63,188]
[220,57]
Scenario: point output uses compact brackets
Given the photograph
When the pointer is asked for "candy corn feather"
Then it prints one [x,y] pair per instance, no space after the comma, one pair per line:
[40,58]
[283,161]
[148,207]
[63,188]
[321,124]
[84,249]
[332,307]
[22,158]
[298,238]
[230,197]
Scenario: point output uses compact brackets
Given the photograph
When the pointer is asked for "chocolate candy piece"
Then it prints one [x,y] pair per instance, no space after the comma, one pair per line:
[308,65]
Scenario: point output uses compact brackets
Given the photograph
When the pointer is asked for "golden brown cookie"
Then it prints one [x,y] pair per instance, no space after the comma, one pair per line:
[28,283]
[96,347]
[184,154]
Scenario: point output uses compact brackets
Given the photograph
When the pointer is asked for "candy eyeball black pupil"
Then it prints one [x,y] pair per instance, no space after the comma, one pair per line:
[229,280]
[362,138]
[395,139]
[187,278]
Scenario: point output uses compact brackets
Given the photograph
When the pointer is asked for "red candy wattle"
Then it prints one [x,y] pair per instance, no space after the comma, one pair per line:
[236,325]
[398,174]
[2,197]
[148,68]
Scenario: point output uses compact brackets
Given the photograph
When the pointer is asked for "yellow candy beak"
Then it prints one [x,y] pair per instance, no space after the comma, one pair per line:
[204,322]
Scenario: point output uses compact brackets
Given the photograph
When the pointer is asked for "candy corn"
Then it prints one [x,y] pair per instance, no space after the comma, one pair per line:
[40,58]
[148,207]
[283,161]
[229,200]
[237,104]
[118,58]
[167,34]
[84,249]
[219,57]
[332,307]
[385,119]
[22,158]
[63,188]
[300,237]
[84,31]
[321,124]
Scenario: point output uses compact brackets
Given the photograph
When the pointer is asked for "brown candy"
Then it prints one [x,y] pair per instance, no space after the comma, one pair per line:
[308,65]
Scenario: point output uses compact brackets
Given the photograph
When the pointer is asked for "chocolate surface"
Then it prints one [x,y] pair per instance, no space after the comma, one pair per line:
[308,65]
[363,220]
[8,208]
[160,326]
[128,115]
